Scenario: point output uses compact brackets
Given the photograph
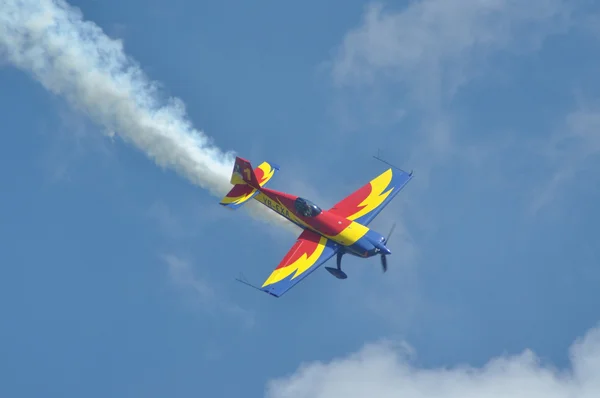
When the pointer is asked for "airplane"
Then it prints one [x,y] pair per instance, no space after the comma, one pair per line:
[342,229]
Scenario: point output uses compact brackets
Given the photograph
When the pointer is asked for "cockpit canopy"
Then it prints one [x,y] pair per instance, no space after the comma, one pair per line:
[306,208]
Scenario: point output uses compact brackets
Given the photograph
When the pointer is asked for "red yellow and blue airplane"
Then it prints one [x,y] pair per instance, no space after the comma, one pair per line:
[339,230]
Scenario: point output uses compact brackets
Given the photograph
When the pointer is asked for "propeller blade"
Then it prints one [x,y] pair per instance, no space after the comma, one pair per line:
[384,262]
[383,256]
[390,233]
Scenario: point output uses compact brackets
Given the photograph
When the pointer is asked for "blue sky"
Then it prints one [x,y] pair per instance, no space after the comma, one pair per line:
[118,266]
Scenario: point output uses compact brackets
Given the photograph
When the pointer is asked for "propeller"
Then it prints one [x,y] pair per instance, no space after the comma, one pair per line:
[383,256]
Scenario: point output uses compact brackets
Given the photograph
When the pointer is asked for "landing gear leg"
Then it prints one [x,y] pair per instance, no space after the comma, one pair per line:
[337,272]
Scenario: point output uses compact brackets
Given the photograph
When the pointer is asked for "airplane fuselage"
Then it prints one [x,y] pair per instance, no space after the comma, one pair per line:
[355,238]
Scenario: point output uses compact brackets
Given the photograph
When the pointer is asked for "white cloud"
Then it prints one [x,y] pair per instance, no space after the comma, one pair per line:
[71,140]
[168,222]
[437,45]
[186,218]
[432,48]
[203,293]
[387,371]
[412,61]
[418,57]
[570,151]
[182,274]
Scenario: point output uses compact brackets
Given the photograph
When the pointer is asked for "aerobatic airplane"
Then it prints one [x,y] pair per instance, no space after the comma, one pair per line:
[339,230]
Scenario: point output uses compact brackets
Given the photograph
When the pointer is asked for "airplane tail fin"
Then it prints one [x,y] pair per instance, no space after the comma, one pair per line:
[247,182]
[243,173]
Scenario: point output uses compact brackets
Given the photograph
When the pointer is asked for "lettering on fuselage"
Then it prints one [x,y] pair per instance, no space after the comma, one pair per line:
[276,206]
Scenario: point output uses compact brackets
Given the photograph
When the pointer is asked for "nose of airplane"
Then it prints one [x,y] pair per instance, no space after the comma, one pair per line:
[379,242]
[382,248]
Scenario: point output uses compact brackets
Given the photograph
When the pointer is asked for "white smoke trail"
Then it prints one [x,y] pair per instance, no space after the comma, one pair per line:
[74,58]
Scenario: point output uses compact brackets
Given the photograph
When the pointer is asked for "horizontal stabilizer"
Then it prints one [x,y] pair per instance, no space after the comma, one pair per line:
[246,181]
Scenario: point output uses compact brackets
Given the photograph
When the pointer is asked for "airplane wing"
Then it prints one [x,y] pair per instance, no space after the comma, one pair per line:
[310,251]
[364,204]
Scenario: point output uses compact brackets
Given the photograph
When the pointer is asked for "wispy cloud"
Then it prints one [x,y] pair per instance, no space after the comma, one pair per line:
[429,50]
[409,65]
[387,371]
[569,151]
[168,222]
[71,140]
[185,219]
[436,46]
[417,58]
[202,292]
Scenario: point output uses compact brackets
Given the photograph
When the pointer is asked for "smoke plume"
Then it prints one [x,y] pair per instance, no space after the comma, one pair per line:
[73,58]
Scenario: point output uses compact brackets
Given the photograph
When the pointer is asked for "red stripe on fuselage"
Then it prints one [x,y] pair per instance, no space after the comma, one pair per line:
[326,222]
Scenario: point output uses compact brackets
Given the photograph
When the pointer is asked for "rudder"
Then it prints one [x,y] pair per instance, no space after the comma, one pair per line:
[246,182]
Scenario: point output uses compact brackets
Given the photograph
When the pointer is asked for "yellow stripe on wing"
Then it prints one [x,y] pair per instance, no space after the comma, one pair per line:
[377,195]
